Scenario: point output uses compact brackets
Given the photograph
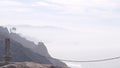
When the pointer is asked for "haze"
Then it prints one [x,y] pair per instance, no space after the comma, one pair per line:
[71,29]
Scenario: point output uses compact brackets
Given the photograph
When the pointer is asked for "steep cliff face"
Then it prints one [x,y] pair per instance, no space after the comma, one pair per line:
[25,50]
[39,48]
[19,53]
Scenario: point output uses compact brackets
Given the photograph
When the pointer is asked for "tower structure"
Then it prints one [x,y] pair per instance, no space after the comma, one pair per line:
[7,57]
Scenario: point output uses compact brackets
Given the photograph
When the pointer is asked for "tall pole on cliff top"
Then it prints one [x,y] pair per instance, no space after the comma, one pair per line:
[7,57]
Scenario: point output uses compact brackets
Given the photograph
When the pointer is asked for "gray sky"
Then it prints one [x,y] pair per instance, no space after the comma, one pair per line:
[66,13]
[90,28]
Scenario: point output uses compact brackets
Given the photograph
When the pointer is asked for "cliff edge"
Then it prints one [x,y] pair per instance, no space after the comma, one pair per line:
[23,50]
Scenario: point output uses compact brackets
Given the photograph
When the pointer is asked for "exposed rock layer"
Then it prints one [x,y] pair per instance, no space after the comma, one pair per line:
[29,65]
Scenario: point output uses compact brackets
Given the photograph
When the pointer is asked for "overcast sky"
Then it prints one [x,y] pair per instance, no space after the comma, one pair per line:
[66,13]
[69,27]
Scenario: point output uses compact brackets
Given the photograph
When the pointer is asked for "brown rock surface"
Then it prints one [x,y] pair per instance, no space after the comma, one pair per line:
[29,65]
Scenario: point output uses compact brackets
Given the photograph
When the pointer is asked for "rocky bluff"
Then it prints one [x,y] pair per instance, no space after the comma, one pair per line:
[23,50]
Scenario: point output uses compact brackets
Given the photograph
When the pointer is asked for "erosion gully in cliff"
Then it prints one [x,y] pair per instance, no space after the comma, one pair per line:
[14,53]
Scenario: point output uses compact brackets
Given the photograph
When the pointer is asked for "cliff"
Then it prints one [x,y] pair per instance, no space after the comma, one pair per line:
[19,53]
[25,50]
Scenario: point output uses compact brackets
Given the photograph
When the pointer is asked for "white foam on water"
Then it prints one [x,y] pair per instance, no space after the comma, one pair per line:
[73,65]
